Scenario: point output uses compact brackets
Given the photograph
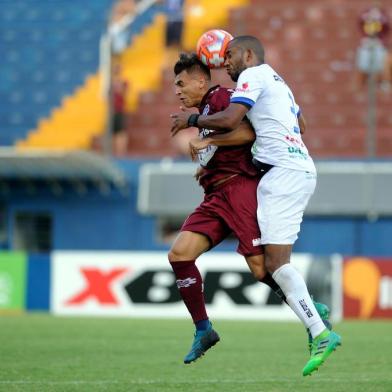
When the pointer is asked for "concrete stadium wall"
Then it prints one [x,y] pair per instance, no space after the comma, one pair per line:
[96,221]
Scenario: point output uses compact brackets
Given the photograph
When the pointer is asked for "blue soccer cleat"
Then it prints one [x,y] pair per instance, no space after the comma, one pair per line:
[202,341]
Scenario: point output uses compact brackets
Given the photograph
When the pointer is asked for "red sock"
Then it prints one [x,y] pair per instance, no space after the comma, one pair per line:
[190,286]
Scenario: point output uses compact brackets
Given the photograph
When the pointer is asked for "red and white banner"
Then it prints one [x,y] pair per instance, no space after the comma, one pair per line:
[142,284]
[367,288]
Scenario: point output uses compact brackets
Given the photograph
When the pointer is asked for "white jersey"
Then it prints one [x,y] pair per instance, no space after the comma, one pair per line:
[274,116]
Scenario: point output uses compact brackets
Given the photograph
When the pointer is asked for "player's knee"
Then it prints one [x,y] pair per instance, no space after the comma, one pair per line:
[256,266]
[276,256]
[175,255]
[270,264]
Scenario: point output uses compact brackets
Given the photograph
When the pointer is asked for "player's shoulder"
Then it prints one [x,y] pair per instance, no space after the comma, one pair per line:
[219,93]
[218,99]
[257,71]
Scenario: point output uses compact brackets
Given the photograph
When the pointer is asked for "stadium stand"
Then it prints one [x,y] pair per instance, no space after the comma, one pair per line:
[82,116]
[48,50]
[54,91]
[312,45]
[149,124]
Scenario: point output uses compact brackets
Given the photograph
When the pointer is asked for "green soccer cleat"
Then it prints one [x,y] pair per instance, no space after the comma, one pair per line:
[202,341]
[322,347]
[323,311]
[327,324]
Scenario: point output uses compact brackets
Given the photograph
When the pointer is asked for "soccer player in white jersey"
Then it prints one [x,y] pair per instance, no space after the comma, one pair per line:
[284,192]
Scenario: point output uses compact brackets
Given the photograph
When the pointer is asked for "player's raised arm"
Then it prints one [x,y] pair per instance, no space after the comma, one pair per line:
[228,119]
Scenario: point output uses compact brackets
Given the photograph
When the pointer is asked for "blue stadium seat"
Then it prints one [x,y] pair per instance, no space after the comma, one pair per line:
[48,49]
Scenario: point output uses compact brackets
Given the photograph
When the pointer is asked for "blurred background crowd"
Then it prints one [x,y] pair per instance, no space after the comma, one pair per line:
[97,75]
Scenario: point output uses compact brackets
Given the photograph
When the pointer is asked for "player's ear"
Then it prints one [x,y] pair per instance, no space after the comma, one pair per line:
[248,55]
[202,82]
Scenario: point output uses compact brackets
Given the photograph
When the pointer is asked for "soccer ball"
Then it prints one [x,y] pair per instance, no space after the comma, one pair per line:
[211,47]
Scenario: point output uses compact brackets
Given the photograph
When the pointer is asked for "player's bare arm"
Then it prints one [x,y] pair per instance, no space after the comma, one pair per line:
[244,134]
[228,119]
[302,123]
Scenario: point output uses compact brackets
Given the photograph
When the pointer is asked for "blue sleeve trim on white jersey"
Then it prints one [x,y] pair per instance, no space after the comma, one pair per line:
[245,101]
[299,113]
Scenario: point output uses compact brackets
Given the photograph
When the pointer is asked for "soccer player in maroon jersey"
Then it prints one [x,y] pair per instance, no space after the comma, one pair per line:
[229,180]
[268,103]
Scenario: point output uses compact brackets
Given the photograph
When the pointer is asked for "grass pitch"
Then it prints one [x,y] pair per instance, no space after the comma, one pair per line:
[46,353]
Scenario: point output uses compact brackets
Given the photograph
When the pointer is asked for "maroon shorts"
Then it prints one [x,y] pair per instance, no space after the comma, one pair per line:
[231,207]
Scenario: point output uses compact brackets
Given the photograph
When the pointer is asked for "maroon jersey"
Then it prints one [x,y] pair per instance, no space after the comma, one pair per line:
[221,162]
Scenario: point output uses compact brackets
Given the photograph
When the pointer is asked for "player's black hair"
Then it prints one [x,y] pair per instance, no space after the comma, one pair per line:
[252,43]
[189,62]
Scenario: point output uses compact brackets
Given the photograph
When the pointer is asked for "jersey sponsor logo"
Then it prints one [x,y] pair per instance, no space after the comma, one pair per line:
[297,152]
[185,282]
[207,153]
[204,132]
[244,88]
[256,242]
[277,78]
[294,140]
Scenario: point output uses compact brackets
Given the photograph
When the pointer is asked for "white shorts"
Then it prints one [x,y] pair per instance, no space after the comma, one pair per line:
[282,196]
[371,58]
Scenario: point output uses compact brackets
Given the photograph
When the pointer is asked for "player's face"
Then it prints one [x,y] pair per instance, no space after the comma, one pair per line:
[234,61]
[188,89]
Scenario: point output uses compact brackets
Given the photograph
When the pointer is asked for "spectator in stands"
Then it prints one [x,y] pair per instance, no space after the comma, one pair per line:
[372,55]
[174,28]
[119,88]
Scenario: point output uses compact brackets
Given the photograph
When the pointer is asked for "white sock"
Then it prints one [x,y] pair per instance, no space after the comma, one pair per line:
[294,287]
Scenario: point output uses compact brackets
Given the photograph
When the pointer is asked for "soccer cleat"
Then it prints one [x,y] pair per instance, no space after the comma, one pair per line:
[202,341]
[323,311]
[322,347]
